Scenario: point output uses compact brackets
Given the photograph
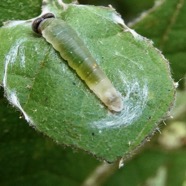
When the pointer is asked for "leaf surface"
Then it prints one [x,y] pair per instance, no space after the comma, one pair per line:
[18,9]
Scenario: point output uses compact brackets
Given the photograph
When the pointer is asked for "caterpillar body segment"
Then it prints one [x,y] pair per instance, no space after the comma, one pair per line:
[66,41]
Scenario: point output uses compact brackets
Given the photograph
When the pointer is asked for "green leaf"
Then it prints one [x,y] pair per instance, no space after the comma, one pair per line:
[165,24]
[27,158]
[18,9]
[55,101]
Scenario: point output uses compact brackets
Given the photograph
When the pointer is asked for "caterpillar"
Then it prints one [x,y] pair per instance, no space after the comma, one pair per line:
[66,41]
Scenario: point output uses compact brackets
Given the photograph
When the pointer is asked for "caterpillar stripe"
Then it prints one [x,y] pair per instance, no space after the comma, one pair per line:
[66,41]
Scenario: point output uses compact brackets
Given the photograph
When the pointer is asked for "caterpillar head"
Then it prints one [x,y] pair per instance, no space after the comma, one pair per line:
[37,22]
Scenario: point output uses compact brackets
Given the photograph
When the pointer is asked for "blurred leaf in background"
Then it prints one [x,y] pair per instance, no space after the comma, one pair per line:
[153,167]
[129,9]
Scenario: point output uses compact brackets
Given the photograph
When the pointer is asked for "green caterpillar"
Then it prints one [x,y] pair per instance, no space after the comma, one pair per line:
[66,41]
